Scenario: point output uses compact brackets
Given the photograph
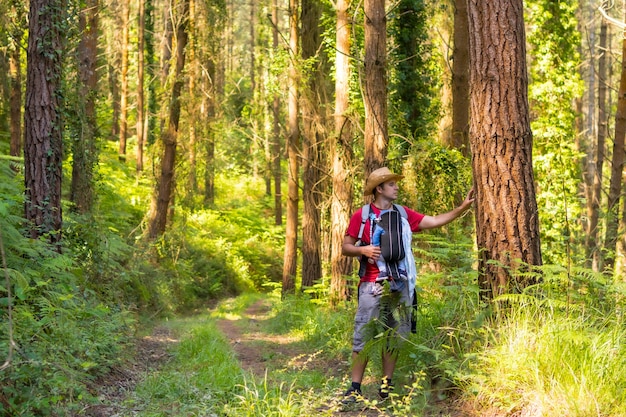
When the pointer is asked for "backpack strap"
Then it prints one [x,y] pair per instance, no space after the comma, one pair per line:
[402,210]
[365,212]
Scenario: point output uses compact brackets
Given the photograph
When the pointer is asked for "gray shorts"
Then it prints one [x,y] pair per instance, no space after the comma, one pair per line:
[393,311]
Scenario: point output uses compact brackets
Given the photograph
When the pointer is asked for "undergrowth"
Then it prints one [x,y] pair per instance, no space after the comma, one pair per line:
[555,349]
[74,313]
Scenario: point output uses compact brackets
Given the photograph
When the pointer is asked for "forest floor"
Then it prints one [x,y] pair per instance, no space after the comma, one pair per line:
[257,353]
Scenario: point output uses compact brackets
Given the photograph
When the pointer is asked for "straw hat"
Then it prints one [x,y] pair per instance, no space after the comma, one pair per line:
[377,177]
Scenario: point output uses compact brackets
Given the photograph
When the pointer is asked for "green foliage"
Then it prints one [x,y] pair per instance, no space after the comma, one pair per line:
[436,178]
[211,253]
[64,336]
[415,77]
[554,87]
[448,312]
[103,242]
[314,322]
[558,349]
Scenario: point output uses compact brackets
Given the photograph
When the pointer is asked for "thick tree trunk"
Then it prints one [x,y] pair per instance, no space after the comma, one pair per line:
[43,125]
[84,149]
[165,187]
[460,79]
[375,88]
[276,145]
[290,261]
[124,80]
[342,159]
[506,213]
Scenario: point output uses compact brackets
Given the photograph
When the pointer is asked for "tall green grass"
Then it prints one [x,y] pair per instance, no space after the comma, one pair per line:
[557,349]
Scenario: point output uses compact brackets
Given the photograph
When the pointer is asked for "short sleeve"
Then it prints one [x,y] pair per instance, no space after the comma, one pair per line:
[355,224]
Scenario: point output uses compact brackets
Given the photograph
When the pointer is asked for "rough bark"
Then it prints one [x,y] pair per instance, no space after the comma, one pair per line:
[342,158]
[375,88]
[43,125]
[84,148]
[290,262]
[506,213]
[169,137]
[313,125]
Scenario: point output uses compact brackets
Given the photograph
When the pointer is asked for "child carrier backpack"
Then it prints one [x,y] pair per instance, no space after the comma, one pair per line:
[391,244]
[394,250]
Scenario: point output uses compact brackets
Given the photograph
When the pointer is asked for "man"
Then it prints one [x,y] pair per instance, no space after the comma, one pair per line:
[373,301]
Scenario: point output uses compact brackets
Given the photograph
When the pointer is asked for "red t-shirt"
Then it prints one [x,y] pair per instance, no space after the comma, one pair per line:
[371,270]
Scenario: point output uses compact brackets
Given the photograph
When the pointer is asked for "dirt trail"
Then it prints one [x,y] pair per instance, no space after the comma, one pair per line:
[151,352]
[259,353]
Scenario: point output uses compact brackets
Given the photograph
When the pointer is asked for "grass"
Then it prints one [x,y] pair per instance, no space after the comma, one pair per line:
[535,360]
[204,378]
[547,362]
[199,379]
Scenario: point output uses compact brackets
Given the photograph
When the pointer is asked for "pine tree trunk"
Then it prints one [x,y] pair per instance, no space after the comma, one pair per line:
[124,79]
[290,261]
[375,88]
[141,110]
[15,97]
[192,74]
[211,81]
[84,148]
[165,186]
[506,211]
[115,99]
[43,125]
[209,100]
[149,68]
[276,145]
[342,159]
[617,166]
[313,124]
[595,163]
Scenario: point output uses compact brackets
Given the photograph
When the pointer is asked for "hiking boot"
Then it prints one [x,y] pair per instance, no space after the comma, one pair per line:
[352,396]
[385,389]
